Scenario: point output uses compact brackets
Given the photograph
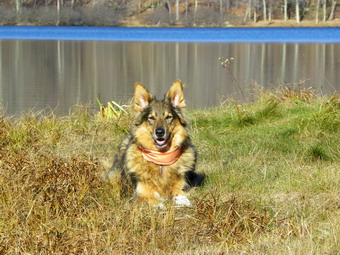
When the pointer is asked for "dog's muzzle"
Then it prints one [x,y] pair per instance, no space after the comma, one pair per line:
[160,136]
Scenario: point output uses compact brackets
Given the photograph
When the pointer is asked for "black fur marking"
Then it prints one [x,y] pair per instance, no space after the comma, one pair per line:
[143,116]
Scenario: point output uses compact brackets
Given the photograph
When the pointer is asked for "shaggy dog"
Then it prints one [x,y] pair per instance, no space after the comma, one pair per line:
[157,158]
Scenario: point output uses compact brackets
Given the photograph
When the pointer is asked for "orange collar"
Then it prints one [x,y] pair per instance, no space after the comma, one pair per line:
[161,158]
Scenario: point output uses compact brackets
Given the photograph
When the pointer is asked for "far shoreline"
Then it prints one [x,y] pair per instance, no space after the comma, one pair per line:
[261,23]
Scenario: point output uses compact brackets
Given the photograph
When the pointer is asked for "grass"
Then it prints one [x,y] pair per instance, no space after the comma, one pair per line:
[273,183]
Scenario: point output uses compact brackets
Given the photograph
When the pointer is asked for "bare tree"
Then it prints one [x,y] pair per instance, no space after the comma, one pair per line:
[169,8]
[255,11]
[18,8]
[317,12]
[297,11]
[285,10]
[270,9]
[247,14]
[264,9]
[59,3]
[177,10]
[195,11]
[331,15]
[324,7]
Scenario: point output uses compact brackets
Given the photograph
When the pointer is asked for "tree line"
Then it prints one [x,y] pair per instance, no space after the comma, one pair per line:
[162,12]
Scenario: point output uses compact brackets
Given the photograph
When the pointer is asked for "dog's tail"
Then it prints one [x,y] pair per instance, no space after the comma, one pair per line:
[194,179]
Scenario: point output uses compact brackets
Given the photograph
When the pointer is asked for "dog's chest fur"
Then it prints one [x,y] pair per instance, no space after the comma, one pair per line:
[158,176]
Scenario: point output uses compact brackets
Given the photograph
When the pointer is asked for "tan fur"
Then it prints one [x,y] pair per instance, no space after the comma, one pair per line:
[167,181]
[153,182]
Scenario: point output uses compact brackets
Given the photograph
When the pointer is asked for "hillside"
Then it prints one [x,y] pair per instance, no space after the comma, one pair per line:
[188,13]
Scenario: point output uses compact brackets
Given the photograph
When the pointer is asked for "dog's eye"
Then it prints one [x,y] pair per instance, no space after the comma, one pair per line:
[169,117]
[151,118]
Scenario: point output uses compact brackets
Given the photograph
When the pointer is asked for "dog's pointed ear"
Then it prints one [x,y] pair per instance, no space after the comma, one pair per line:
[175,95]
[142,97]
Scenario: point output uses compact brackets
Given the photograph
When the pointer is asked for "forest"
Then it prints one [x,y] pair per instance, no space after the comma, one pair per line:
[181,13]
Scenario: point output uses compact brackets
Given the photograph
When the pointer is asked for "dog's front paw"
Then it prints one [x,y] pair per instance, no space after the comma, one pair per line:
[182,201]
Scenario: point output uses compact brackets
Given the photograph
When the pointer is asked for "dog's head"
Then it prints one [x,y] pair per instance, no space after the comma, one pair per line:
[160,124]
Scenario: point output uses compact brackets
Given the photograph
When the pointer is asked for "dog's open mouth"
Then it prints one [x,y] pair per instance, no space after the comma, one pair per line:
[160,142]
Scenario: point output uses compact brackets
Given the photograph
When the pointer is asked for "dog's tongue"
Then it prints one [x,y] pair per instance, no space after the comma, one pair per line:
[160,142]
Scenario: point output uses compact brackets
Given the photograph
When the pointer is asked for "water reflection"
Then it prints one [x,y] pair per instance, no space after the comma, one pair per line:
[37,74]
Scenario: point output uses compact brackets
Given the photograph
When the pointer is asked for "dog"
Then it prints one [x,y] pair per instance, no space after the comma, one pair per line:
[157,160]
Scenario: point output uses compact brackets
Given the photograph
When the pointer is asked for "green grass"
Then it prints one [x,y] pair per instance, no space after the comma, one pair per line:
[273,183]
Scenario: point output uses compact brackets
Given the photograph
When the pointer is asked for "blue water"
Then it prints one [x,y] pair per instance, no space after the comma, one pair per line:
[301,35]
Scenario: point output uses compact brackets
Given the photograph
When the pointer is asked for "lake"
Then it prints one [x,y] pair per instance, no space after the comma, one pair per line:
[57,68]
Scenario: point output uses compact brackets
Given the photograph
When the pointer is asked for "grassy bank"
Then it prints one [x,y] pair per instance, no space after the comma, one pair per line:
[273,183]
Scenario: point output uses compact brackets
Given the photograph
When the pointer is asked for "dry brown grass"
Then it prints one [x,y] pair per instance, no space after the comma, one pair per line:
[273,184]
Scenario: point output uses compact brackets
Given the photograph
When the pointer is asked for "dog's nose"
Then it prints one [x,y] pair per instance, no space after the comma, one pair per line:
[160,132]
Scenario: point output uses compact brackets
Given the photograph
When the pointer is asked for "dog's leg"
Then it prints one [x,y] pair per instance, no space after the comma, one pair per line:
[179,196]
[147,192]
